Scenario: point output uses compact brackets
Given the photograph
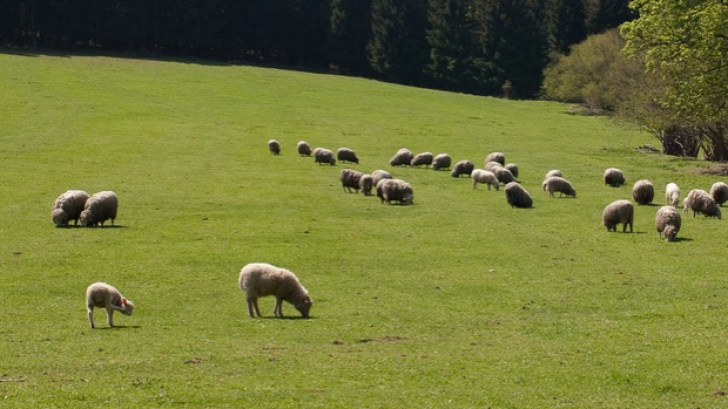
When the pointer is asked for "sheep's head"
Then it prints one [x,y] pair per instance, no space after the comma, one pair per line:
[127,307]
[670,233]
[304,306]
[60,218]
[86,218]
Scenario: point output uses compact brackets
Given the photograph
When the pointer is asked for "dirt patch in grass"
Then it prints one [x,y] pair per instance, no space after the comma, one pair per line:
[718,169]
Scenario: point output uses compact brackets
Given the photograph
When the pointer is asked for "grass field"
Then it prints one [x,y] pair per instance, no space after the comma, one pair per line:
[458,301]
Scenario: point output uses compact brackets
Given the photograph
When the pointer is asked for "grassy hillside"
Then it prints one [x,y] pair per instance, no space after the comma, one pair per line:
[457,301]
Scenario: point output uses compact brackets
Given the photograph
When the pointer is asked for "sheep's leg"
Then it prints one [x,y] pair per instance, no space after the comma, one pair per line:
[253,306]
[110,316]
[278,311]
[91,316]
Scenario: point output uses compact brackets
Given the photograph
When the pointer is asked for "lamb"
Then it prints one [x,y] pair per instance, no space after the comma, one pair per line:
[424,158]
[366,184]
[496,157]
[323,156]
[504,175]
[719,193]
[303,148]
[667,221]
[699,201]
[513,168]
[401,158]
[378,175]
[643,192]
[350,179]
[486,177]
[464,167]
[102,295]
[395,190]
[274,147]
[558,184]
[100,207]
[263,279]
[517,196]
[347,155]
[614,177]
[68,206]
[441,161]
[553,172]
[619,211]
[672,194]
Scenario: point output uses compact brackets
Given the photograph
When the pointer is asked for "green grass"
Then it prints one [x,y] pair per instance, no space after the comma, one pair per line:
[457,301]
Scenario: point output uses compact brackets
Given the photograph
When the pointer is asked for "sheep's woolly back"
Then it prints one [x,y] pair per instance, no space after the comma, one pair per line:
[99,208]
[303,148]
[496,157]
[619,211]
[553,172]
[403,157]
[485,177]
[699,201]
[672,194]
[378,175]
[102,295]
[489,166]
[424,158]
[513,168]
[614,177]
[441,161]
[667,222]
[366,185]
[504,175]
[517,196]
[719,193]
[395,190]
[643,192]
[558,184]
[68,206]
[464,167]
[350,179]
[347,155]
[325,156]
[263,279]
[274,147]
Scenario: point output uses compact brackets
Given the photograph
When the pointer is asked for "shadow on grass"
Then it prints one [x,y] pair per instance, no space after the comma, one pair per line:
[118,327]
[116,226]
[270,317]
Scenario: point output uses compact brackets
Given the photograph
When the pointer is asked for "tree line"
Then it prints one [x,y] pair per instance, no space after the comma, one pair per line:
[482,47]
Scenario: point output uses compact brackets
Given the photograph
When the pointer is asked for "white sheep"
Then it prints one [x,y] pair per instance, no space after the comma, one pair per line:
[489,166]
[274,147]
[719,193]
[68,206]
[672,194]
[667,222]
[485,177]
[102,295]
[553,172]
[402,157]
[395,190]
[324,156]
[504,175]
[303,148]
[619,211]
[263,279]
[378,175]
[366,184]
[347,155]
[513,168]
[464,167]
[699,201]
[424,158]
[441,161]
[496,157]
[350,179]
[99,208]
[558,184]
[643,192]
[517,196]
[614,177]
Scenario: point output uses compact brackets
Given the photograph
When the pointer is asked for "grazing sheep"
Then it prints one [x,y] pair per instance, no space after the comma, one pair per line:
[263,279]
[395,190]
[553,172]
[366,184]
[667,221]
[323,156]
[102,295]
[464,167]
[486,177]
[614,177]
[672,194]
[558,184]
[378,175]
[643,192]
[401,158]
[489,166]
[719,193]
[303,148]
[496,157]
[424,158]
[68,206]
[517,196]
[274,147]
[100,207]
[350,179]
[699,201]
[513,168]
[504,175]
[441,161]
[619,211]
[347,155]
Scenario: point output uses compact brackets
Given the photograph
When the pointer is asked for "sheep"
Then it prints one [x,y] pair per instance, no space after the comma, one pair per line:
[401,158]
[486,177]
[667,221]
[619,211]
[347,155]
[441,161]
[424,158]
[68,206]
[672,194]
[643,192]
[513,168]
[553,172]
[395,190]
[378,175]
[464,167]
[100,207]
[489,166]
[699,201]
[102,295]
[350,179]
[504,175]
[517,196]
[303,148]
[323,156]
[558,184]
[263,279]
[366,184]
[274,147]
[719,193]
[614,177]
[496,157]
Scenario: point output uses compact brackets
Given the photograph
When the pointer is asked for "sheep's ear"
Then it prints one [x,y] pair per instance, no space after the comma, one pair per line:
[123,301]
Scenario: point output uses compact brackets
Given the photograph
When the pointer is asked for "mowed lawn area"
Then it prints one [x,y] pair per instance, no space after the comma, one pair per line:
[456,301]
